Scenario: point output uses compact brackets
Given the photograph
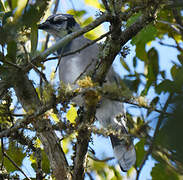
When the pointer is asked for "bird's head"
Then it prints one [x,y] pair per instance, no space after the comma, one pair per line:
[59,25]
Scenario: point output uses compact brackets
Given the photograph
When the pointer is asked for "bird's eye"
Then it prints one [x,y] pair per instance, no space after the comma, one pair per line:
[57,21]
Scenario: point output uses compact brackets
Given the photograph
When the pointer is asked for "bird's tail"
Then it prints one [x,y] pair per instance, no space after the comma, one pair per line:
[124,152]
[109,117]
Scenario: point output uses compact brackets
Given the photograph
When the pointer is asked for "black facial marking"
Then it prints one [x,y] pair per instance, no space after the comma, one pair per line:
[70,24]
[66,18]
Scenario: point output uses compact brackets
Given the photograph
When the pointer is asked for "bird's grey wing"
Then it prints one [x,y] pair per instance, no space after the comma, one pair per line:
[124,151]
[71,67]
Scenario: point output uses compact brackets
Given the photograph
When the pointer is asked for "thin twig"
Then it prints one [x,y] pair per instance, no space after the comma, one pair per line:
[86,68]
[101,160]
[38,71]
[2,151]
[170,45]
[146,107]
[25,121]
[172,25]
[87,44]
[166,154]
[80,49]
[89,175]
[11,64]
[129,100]
[59,59]
[11,114]
[56,6]
[105,3]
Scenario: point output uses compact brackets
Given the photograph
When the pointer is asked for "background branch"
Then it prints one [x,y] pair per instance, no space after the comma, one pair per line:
[161,117]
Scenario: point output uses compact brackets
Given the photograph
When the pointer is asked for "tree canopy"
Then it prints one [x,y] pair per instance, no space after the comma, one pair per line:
[40,125]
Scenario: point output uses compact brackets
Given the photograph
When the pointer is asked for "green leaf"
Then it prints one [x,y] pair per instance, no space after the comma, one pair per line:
[170,135]
[12,50]
[15,152]
[34,39]
[146,35]
[2,7]
[132,84]
[33,13]
[44,162]
[174,71]
[135,62]
[33,161]
[14,4]
[141,52]
[154,101]
[87,21]
[180,58]
[66,142]
[162,172]
[146,89]
[77,14]
[140,151]
[172,86]
[20,6]
[72,114]
[153,65]
[95,4]
[124,64]
[163,74]
[55,117]
[65,145]
[165,86]
[95,33]
[116,173]
[133,18]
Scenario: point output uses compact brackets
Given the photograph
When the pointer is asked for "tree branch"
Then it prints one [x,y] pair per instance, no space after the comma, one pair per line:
[82,143]
[25,121]
[29,99]
[118,39]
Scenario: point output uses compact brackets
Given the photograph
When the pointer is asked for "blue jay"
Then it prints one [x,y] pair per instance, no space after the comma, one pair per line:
[72,66]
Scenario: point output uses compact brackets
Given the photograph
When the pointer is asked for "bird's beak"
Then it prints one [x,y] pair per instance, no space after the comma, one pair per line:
[43,25]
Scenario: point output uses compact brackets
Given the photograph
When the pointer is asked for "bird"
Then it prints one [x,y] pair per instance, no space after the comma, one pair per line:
[72,66]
